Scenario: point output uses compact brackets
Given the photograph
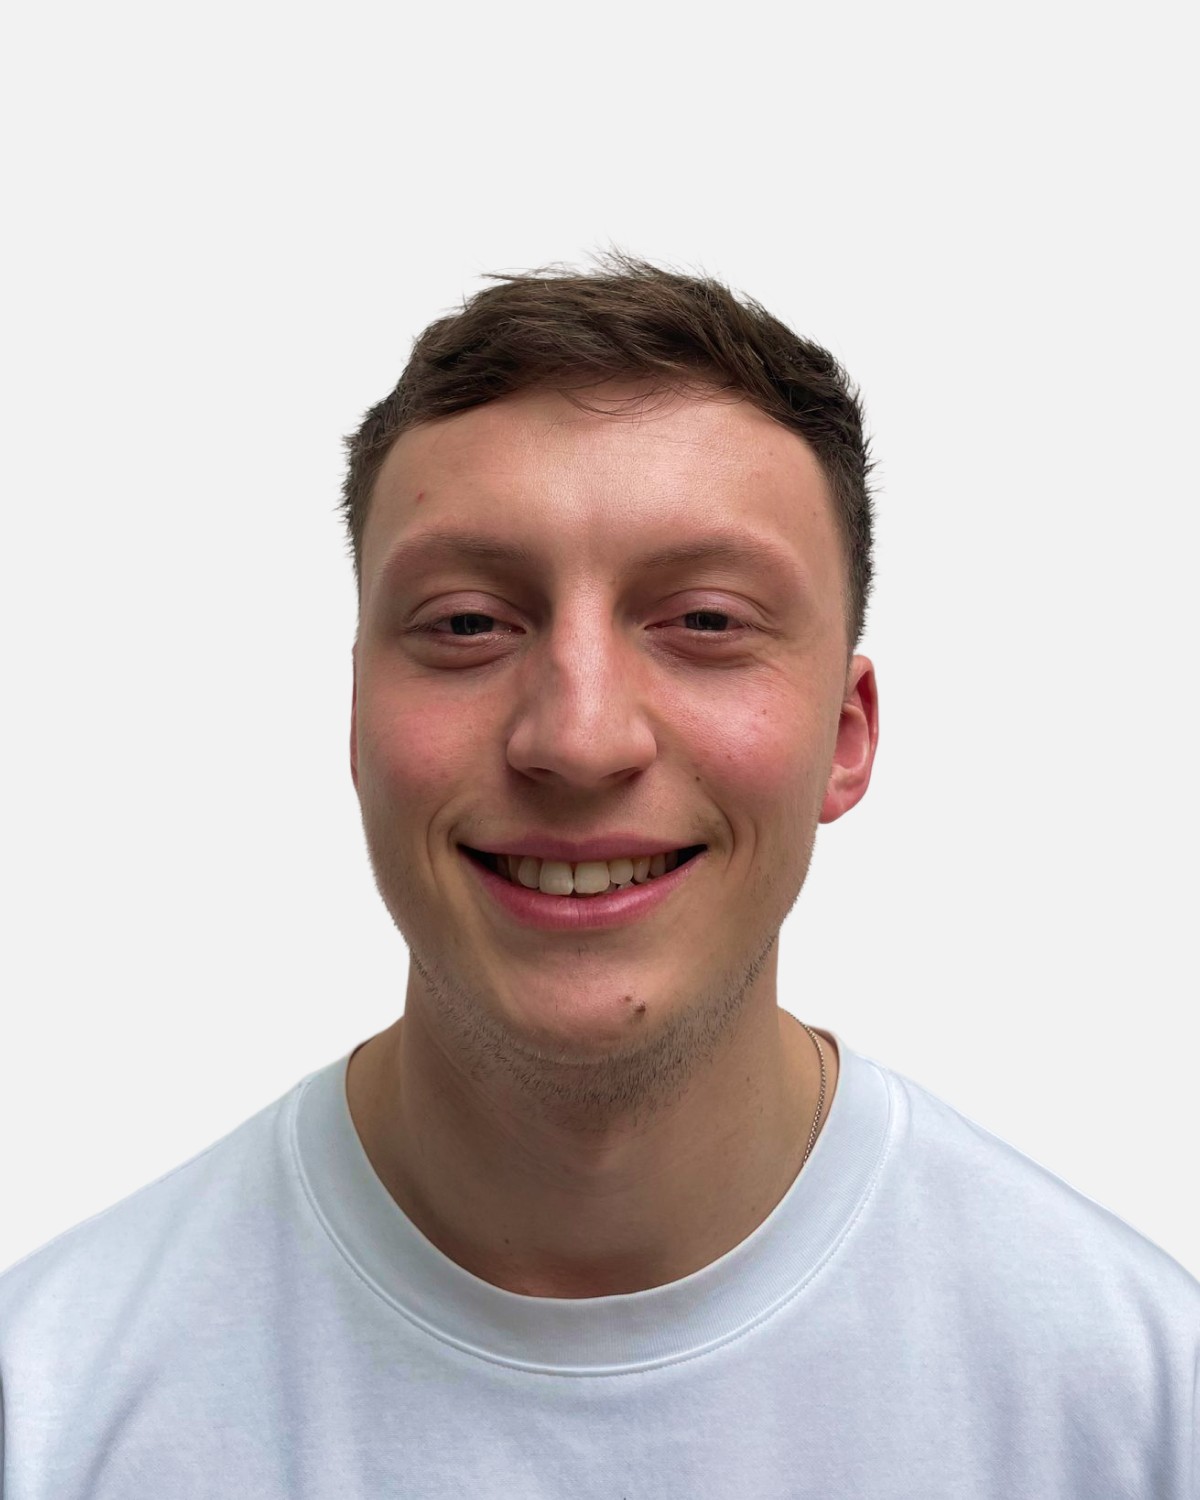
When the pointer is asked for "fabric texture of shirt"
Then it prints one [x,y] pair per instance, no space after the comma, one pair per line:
[926,1313]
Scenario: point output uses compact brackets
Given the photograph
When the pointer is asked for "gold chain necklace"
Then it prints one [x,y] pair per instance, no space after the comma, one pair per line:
[816,1124]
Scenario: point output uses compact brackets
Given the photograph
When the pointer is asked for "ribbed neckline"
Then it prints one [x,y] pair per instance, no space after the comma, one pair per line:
[592,1335]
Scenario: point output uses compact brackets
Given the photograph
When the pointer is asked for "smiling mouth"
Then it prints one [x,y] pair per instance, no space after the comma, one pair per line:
[590,877]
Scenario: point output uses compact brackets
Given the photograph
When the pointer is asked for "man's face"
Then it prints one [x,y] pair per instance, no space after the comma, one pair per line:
[618,630]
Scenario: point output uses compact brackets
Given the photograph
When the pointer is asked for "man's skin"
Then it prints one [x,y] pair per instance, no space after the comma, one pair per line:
[599,1110]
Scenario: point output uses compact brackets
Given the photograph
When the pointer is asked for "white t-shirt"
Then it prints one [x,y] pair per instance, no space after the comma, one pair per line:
[925,1314]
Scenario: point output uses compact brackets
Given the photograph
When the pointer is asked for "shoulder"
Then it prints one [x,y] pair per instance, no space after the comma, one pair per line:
[125,1254]
[1022,1228]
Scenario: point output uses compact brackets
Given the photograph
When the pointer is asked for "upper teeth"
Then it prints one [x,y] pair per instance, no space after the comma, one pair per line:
[590,877]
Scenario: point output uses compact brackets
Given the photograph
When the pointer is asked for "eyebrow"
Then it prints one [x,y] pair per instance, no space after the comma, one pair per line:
[433,546]
[436,546]
[740,549]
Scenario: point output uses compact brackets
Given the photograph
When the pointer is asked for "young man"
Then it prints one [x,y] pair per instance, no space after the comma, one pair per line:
[596,1217]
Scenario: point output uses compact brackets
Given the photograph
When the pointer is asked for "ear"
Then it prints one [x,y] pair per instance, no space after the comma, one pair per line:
[857,737]
[354,716]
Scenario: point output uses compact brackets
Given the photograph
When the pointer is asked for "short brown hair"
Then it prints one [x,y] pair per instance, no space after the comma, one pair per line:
[556,327]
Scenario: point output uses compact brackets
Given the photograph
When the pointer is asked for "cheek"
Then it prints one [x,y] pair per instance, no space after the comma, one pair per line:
[763,756]
[413,747]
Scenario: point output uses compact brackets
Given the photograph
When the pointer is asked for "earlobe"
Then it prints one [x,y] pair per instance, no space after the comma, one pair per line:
[354,720]
[857,738]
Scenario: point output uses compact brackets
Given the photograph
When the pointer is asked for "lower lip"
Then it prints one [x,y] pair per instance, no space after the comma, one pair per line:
[580,913]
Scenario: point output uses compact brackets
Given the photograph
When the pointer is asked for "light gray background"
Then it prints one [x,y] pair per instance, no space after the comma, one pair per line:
[229,224]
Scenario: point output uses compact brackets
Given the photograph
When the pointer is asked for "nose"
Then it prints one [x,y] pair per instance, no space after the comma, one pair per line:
[581,720]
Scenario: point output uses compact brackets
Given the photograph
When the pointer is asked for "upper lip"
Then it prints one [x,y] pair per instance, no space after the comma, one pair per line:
[612,846]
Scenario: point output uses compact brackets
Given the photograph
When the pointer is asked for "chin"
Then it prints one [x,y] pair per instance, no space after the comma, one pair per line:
[572,1018]
[588,1023]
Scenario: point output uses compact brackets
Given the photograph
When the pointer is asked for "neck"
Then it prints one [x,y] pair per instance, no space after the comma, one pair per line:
[550,1205]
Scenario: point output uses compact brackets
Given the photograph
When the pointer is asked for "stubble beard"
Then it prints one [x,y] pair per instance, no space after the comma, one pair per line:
[635,1080]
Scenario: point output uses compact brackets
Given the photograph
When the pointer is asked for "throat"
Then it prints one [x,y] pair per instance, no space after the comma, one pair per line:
[542,1208]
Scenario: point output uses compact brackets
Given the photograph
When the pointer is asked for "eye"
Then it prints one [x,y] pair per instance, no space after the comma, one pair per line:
[467,624]
[707,619]
[463,624]
[463,637]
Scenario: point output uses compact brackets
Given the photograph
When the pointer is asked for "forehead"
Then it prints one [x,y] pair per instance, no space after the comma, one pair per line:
[646,475]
